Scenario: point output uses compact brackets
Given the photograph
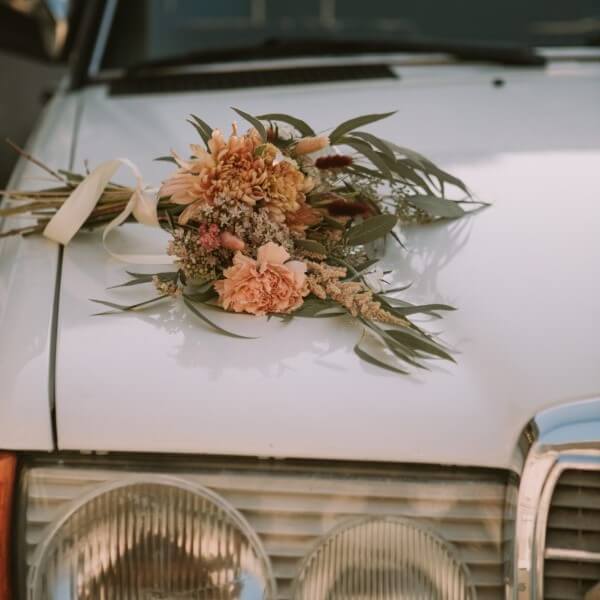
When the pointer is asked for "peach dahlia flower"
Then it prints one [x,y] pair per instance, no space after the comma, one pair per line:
[234,169]
[266,285]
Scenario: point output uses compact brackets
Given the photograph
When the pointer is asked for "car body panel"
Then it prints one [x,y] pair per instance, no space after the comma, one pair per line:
[28,272]
[522,274]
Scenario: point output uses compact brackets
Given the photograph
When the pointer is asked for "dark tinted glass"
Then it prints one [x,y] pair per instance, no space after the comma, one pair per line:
[156,29]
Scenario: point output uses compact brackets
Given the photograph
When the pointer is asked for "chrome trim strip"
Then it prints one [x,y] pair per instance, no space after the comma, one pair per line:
[571,555]
[566,461]
[532,483]
[569,438]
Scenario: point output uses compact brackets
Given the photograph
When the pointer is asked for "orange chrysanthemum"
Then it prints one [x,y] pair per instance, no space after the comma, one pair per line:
[242,168]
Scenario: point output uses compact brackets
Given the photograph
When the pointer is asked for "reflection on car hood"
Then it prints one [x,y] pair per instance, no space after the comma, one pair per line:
[523,274]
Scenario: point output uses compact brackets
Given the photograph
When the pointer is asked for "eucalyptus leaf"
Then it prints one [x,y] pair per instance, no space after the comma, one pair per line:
[169,159]
[398,347]
[428,167]
[370,230]
[311,246]
[355,123]
[331,222]
[398,240]
[300,125]
[216,327]
[418,341]
[446,177]
[202,296]
[437,207]
[369,358]
[370,262]
[314,307]
[123,307]
[138,278]
[362,269]
[413,309]
[254,122]
[325,314]
[406,354]
[166,275]
[400,288]
[364,171]
[200,130]
[131,282]
[200,285]
[373,156]
[408,173]
[203,128]
[375,141]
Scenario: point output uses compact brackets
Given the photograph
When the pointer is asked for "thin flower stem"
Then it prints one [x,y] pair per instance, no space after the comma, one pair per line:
[23,208]
[22,230]
[23,195]
[35,161]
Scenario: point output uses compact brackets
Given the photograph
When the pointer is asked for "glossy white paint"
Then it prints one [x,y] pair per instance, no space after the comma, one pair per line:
[27,282]
[524,275]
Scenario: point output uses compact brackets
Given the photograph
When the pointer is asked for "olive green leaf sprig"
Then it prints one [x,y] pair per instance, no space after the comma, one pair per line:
[380,173]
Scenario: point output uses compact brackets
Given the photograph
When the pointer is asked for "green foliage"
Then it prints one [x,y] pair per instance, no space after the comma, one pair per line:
[311,246]
[376,158]
[314,307]
[194,309]
[347,126]
[169,159]
[372,229]
[124,307]
[298,124]
[437,207]
[204,130]
[255,122]
[140,278]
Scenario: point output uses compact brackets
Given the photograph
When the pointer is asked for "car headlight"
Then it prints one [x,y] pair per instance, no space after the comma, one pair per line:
[150,538]
[383,558]
[151,527]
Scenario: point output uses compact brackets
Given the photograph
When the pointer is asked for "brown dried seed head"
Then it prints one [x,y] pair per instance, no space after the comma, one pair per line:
[333,161]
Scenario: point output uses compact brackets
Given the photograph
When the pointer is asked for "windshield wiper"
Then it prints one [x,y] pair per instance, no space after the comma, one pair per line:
[503,54]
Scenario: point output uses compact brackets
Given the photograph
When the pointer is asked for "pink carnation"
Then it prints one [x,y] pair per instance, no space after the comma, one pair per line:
[266,285]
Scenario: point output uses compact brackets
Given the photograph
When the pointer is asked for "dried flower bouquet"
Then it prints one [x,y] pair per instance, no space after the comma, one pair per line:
[280,221]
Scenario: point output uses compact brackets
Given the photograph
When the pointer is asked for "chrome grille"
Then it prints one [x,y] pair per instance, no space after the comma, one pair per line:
[290,507]
[572,554]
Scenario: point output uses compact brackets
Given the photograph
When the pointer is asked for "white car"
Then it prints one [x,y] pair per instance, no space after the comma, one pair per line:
[146,457]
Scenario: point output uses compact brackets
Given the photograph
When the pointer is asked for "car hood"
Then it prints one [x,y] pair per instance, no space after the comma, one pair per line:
[522,273]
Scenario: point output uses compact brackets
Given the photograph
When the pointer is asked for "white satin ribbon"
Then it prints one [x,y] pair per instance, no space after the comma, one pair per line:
[71,216]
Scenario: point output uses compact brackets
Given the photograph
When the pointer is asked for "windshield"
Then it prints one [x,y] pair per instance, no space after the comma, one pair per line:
[149,30]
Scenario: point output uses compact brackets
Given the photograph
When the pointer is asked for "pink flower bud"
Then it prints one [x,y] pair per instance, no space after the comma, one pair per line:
[209,237]
[231,242]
